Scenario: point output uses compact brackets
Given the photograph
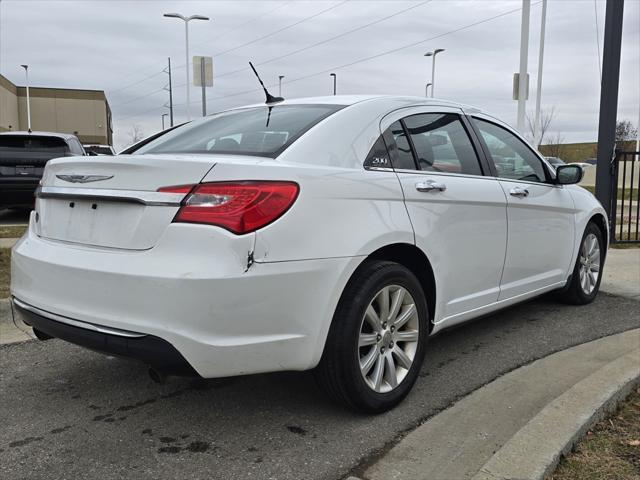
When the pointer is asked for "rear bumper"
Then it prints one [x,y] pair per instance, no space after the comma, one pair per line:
[151,350]
[17,191]
[193,291]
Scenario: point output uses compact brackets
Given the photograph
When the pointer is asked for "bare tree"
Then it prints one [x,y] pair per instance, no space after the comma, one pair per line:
[136,134]
[625,131]
[546,117]
[555,148]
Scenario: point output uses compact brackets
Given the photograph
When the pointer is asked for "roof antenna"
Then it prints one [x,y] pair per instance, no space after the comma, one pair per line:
[270,98]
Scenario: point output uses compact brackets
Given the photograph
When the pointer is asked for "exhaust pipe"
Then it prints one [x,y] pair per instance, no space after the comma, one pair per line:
[41,335]
[157,376]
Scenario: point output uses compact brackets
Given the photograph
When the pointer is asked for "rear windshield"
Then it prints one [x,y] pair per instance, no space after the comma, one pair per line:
[98,149]
[31,143]
[262,131]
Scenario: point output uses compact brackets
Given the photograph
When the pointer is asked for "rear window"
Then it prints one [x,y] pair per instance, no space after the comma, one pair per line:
[21,143]
[262,131]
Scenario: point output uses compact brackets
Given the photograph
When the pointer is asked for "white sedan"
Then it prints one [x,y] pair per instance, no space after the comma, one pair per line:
[334,234]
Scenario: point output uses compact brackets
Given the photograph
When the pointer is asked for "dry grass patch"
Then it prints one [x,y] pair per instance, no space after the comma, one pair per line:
[12,232]
[611,449]
[5,271]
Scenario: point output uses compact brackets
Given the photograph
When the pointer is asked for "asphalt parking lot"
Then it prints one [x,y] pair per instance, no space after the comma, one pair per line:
[71,413]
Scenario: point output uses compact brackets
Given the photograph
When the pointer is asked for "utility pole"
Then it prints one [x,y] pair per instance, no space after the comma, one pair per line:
[168,71]
[609,106]
[524,53]
[26,72]
[536,125]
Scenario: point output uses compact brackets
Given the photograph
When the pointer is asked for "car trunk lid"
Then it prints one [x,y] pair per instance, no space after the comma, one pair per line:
[113,202]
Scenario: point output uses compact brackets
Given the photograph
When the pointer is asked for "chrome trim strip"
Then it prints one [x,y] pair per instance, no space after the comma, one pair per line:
[131,196]
[77,323]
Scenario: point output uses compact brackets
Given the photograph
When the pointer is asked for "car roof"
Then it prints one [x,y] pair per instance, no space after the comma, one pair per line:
[347,100]
[66,136]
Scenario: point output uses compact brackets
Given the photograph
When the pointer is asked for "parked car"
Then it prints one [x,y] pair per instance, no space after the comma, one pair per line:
[555,161]
[99,149]
[23,156]
[334,234]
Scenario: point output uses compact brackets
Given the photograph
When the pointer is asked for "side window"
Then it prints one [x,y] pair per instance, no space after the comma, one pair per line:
[512,158]
[378,156]
[442,144]
[75,147]
[403,158]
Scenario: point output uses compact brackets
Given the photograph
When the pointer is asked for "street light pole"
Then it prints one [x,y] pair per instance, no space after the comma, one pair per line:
[524,53]
[186,35]
[536,125]
[163,115]
[334,81]
[426,89]
[26,72]
[433,67]
[280,77]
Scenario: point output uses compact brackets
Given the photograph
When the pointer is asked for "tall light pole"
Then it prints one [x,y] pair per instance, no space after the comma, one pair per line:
[26,72]
[524,54]
[280,77]
[536,125]
[426,89]
[186,36]
[433,66]
[334,81]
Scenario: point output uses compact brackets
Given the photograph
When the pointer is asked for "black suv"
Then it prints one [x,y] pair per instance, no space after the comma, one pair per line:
[23,156]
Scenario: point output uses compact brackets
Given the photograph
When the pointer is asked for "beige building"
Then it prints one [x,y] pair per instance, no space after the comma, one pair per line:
[85,113]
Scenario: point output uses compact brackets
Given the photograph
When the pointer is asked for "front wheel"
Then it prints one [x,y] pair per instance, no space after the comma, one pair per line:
[587,272]
[376,343]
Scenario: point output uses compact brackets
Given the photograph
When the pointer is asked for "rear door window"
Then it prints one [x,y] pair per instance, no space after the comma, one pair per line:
[32,143]
[442,144]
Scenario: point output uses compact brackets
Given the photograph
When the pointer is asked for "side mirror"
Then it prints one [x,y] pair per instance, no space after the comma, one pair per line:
[569,174]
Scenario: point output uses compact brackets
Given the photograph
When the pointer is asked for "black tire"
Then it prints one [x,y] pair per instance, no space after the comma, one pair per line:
[338,372]
[574,293]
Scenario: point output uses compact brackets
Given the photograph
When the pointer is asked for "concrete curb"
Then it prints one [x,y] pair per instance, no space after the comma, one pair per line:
[518,425]
[562,423]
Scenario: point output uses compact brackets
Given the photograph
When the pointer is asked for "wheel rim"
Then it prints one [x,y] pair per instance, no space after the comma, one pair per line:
[389,334]
[589,263]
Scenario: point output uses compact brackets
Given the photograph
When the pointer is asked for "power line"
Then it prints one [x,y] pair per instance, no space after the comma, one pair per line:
[344,34]
[140,97]
[387,52]
[280,29]
[136,83]
[364,59]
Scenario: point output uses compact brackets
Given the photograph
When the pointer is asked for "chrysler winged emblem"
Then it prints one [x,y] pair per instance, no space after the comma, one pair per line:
[83,178]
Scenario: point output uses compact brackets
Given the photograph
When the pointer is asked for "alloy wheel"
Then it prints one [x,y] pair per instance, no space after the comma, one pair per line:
[589,263]
[389,335]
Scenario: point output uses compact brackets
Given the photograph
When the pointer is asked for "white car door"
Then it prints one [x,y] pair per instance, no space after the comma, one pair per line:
[541,214]
[458,213]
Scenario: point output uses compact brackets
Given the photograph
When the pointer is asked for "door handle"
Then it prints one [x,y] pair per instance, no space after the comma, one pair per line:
[519,192]
[430,186]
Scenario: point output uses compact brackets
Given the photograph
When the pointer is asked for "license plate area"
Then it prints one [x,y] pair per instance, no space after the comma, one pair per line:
[92,222]
[25,170]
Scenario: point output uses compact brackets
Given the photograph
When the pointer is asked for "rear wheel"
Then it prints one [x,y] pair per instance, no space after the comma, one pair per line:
[587,272]
[376,343]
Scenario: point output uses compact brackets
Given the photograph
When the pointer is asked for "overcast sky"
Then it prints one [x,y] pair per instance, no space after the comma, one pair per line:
[121,47]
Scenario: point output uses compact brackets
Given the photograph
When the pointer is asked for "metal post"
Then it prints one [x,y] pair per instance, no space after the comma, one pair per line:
[186,32]
[170,95]
[204,88]
[280,77]
[426,90]
[609,103]
[536,126]
[433,73]
[334,81]
[524,53]
[163,115]
[26,72]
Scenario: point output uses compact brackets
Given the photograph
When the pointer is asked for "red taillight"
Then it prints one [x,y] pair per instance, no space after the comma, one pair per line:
[240,207]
